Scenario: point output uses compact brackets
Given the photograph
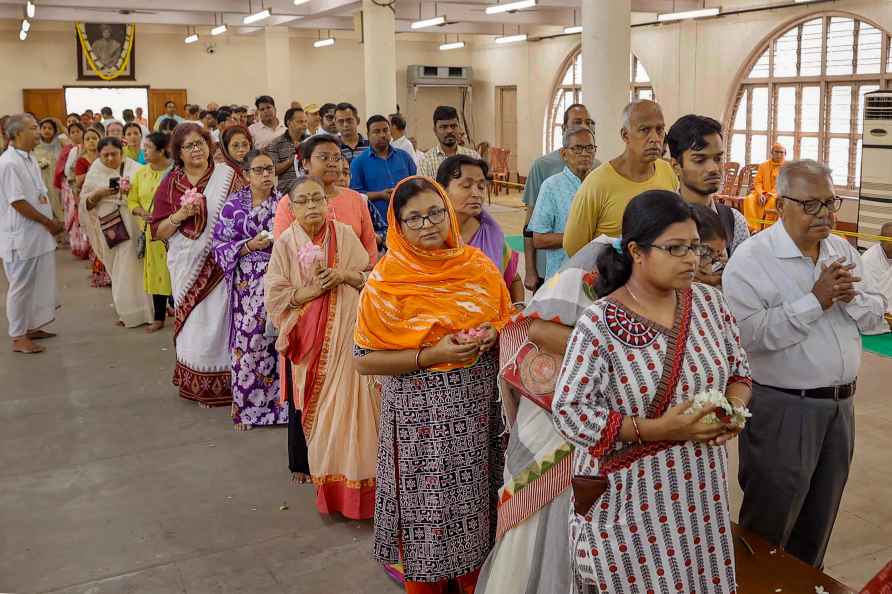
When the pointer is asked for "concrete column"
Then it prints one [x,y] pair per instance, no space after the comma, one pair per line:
[379,58]
[278,67]
[606,41]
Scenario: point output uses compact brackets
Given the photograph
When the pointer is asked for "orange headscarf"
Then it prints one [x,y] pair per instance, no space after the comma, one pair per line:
[415,297]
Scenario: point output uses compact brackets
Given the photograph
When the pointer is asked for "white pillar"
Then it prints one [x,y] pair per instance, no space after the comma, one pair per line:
[606,41]
[379,57]
[278,67]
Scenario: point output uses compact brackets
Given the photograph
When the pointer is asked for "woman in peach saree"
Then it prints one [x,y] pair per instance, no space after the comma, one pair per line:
[317,269]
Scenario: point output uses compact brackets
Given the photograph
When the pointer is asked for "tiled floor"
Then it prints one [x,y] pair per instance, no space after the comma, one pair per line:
[110,484]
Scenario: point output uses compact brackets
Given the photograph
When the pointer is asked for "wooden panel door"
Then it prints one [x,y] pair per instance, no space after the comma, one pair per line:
[506,120]
[45,102]
[157,99]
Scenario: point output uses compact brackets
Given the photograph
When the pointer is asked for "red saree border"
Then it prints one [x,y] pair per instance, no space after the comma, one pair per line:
[534,496]
[212,388]
[339,496]
[311,401]
[208,278]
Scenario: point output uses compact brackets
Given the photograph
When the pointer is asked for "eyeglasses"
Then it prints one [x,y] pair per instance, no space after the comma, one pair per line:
[813,207]
[583,148]
[312,201]
[198,144]
[328,158]
[682,250]
[435,217]
[268,170]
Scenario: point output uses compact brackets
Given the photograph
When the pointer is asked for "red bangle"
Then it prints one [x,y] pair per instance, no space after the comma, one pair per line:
[635,425]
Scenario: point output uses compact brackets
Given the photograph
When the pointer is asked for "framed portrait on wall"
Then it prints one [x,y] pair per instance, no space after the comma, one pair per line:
[105,51]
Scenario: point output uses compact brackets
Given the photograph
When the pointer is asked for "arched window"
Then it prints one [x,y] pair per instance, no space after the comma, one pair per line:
[805,89]
[568,91]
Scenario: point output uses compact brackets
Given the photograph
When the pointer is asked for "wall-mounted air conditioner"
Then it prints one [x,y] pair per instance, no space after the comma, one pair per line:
[439,76]
[875,204]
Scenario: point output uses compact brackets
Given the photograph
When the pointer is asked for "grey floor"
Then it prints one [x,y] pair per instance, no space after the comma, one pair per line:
[110,484]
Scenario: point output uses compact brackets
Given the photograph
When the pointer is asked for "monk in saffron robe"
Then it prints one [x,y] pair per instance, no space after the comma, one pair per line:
[759,205]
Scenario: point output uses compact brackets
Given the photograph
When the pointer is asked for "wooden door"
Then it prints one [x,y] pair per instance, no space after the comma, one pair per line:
[506,122]
[45,102]
[157,99]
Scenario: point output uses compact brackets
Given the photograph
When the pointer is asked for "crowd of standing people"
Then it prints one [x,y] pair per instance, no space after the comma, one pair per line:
[357,291]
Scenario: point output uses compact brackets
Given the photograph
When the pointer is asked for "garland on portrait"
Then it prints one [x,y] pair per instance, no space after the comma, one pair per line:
[120,67]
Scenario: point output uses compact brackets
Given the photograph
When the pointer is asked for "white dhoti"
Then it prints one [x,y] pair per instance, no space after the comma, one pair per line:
[31,300]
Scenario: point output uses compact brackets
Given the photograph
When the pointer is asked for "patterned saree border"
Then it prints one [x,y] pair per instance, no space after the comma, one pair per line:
[534,471]
[535,496]
[311,403]
[212,388]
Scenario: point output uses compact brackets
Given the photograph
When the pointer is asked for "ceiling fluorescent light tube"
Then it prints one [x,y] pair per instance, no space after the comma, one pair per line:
[324,42]
[191,38]
[23,35]
[452,46]
[26,26]
[689,14]
[218,30]
[803,1]
[511,38]
[299,2]
[573,29]
[510,6]
[434,22]
[30,9]
[257,16]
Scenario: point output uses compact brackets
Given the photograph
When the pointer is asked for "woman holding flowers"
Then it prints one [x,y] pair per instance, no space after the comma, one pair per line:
[242,248]
[428,321]
[650,494]
[187,206]
[317,270]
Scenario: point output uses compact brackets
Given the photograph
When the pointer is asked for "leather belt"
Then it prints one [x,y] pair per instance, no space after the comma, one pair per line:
[829,393]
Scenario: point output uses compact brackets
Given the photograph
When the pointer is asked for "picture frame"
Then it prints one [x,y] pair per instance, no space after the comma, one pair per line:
[109,50]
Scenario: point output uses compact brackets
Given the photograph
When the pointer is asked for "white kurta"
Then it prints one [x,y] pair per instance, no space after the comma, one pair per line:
[26,247]
[878,273]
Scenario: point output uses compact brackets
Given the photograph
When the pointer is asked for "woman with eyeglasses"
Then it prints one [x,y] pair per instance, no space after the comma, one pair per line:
[242,246]
[187,207]
[429,318]
[317,270]
[650,490]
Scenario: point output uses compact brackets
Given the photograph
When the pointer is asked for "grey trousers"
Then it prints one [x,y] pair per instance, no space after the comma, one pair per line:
[795,455]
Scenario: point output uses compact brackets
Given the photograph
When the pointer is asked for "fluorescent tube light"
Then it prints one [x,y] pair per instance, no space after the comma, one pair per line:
[511,38]
[689,14]
[26,26]
[218,30]
[440,20]
[299,2]
[510,6]
[23,35]
[30,9]
[452,46]
[191,38]
[257,16]
[324,42]
[573,29]
[803,1]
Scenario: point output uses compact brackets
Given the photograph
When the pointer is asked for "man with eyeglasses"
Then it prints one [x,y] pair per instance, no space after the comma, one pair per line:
[801,306]
[352,142]
[602,199]
[556,196]
[327,119]
[268,128]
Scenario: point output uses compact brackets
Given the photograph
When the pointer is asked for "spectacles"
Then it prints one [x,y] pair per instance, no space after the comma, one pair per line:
[198,144]
[681,250]
[584,148]
[328,158]
[268,170]
[312,201]
[813,207]
[435,217]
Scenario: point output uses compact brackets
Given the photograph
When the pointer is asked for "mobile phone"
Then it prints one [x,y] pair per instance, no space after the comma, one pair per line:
[114,183]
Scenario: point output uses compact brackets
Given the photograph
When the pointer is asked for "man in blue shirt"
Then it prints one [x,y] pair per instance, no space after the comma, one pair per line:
[556,196]
[379,168]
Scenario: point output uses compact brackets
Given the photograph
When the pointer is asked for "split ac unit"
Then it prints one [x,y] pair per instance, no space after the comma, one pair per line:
[875,204]
[439,76]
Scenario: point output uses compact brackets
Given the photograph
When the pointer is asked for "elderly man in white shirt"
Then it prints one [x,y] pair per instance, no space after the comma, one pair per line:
[878,266]
[27,247]
[801,306]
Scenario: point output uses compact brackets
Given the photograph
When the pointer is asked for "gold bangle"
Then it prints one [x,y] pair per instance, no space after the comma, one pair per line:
[637,432]
[418,359]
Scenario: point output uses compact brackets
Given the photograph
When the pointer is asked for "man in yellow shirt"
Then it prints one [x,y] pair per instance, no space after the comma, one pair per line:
[599,204]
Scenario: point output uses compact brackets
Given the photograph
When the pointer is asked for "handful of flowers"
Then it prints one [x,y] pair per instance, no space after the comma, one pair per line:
[190,196]
[472,335]
[266,235]
[308,256]
[725,412]
[124,184]
[43,163]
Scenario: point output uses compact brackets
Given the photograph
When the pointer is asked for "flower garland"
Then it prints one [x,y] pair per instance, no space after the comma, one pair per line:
[121,66]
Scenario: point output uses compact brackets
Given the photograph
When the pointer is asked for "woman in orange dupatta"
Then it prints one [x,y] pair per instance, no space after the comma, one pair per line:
[428,321]
[317,269]
[759,205]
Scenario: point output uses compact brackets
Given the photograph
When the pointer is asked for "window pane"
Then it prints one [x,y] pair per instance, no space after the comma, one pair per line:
[640,73]
[811,109]
[838,160]
[738,149]
[788,141]
[808,148]
[760,108]
[864,89]
[870,44]
[786,109]
[645,93]
[812,35]
[760,70]
[759,150]
[840,45]
[840,109]
[740,117]
[786,50]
